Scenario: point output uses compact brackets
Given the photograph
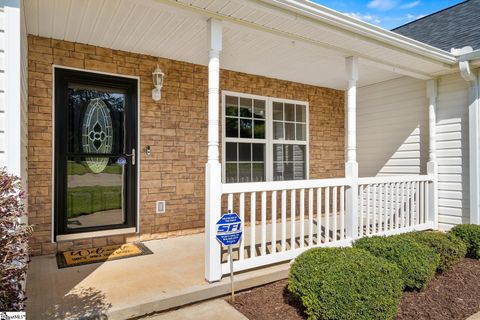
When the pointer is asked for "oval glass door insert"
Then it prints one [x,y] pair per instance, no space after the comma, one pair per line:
[97,134]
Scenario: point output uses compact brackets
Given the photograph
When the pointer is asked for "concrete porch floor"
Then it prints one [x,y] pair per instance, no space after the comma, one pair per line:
[170,277]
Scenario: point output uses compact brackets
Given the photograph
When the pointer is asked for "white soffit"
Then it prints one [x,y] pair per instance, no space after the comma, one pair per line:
[173,30]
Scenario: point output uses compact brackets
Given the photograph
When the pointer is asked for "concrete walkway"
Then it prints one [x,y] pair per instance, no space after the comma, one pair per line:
[171,277]
[217,309]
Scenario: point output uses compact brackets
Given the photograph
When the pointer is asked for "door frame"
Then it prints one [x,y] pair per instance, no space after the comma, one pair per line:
[55,236]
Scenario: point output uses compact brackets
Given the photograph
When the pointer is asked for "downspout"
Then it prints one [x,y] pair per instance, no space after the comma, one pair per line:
[474,129]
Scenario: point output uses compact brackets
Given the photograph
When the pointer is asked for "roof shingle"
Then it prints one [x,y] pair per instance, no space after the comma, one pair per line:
[454,27]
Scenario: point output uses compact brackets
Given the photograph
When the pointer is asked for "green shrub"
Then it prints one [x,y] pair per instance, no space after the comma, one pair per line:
[470,235]
[416,261]
[345,283]
[450,249]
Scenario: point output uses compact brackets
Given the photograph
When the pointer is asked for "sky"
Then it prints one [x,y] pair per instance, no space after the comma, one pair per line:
[388,14]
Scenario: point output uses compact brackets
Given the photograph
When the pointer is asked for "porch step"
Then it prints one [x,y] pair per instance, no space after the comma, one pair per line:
[199,293]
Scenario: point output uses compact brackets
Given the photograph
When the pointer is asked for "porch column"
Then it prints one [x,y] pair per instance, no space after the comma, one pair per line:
[474,144]
[432,165]
[351,166]
[213,171]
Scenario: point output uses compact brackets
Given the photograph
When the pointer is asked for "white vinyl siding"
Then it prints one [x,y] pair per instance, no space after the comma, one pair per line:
[2,87]
[453,151]
[393,137]
[13,89]
[392,128]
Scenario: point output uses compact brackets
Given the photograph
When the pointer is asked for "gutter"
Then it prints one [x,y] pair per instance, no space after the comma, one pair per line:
[470,56]
[323,14]
[465,57]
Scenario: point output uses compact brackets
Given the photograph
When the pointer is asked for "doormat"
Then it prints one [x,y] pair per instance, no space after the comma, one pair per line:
[101,254]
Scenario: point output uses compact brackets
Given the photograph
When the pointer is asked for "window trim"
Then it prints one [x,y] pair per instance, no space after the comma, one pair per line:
[268,141]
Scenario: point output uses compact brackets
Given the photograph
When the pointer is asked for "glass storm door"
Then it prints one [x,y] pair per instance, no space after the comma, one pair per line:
[95,152]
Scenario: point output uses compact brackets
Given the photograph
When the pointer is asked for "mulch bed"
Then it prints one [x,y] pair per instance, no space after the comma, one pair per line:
[453,295]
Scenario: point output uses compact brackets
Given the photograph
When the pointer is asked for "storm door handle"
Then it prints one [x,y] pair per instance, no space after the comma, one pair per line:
[132,155]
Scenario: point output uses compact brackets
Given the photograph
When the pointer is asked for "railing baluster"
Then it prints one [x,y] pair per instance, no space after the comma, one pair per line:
[390,208]
[274,222]
[367,211]
[402,205]
[417,205]
[292,217]
[327,214]
[242,217]
[407,205]
[392,192]
[335,213]
[410,200]
[310,217]
[396,208]
[284,220]
[302,217]
[374,210]
[380,207]
[425,217]
[342,212]
[319,216]
[253,220]
[360,207]
[264,224]
[422,203]
[394,199]
[412,203]
[230,203]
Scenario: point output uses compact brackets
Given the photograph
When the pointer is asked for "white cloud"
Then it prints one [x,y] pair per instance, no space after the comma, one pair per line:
[410,5]
[412,17]
[382,4]
[365,17]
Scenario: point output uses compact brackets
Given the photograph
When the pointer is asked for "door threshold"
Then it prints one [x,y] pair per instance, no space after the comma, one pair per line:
[95,234]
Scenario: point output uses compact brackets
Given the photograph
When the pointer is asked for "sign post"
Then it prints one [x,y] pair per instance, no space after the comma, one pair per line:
[229,233]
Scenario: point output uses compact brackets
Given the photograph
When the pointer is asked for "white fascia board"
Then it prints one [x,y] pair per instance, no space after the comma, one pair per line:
[334,18]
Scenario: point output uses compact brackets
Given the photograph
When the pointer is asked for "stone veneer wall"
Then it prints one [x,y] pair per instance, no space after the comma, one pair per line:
[176,129]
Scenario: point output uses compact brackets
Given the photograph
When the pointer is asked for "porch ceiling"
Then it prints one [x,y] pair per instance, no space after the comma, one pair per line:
[258,38]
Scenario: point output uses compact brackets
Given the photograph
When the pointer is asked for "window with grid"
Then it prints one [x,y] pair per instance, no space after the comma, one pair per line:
[264,138]
[245,139]
[289,140]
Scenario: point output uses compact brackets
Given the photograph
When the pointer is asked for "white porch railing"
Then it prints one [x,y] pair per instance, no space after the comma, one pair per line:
[284,218]
[389,205]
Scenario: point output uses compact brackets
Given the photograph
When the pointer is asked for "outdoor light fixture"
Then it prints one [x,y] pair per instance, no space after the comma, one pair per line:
[157,76]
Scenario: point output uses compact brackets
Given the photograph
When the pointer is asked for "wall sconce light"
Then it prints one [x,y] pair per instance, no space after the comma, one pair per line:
[158,77]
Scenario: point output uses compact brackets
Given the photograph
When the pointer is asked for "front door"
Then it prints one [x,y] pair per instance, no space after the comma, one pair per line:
[95,152]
